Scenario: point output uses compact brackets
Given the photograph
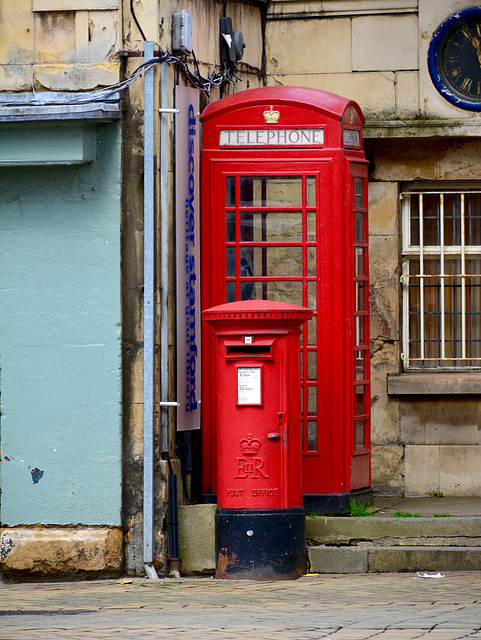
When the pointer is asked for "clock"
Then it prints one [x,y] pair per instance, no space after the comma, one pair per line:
[454,59]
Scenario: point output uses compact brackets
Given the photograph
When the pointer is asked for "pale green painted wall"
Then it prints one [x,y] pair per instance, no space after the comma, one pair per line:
[60,340]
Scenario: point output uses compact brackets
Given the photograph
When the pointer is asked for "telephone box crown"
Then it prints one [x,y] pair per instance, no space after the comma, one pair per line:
[271,117]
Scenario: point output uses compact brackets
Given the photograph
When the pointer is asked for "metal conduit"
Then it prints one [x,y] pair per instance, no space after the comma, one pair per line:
[164,250]
[148,502]
[149,292]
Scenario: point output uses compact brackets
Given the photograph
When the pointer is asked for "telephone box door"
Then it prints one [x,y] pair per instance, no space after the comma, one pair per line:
[271,248]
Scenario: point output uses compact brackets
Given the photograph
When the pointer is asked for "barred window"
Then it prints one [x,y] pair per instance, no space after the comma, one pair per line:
[441,279]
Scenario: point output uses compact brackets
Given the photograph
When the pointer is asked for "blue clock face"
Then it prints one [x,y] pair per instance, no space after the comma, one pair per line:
[454,59]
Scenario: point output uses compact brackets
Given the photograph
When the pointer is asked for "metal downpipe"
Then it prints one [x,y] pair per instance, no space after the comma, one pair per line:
[149,278]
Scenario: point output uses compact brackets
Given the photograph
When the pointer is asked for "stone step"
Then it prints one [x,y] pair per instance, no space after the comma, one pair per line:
[387,559]
[455,531]
[353,545]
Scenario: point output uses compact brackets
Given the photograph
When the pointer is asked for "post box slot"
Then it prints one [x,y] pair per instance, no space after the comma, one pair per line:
[248,351]
[237,348]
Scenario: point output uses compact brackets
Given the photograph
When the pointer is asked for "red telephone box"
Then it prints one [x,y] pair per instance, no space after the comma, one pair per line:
[284,218]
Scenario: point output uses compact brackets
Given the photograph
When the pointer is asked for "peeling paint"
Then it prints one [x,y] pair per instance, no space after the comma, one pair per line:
[37,474]
[6,545]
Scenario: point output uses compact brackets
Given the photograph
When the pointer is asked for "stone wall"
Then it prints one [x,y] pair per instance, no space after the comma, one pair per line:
[372,52]
[80,45]
[156,21]
[425,436]
[59,45]
[377,56]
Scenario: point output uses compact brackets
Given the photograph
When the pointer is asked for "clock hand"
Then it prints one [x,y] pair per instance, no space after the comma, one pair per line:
[477,45]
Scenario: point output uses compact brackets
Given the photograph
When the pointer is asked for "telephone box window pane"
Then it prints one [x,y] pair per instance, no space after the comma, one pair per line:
[230,292]
[312,295]
[311,191]
[246,262]
[359,296]
[359,237]
[230,191]
[280,290]
[247,228]
[359,261]
[311,261]
[230,226]
[312,400]
[230,262]
[360,435]
[248,291]
[360,410]
[359,192]
[359,330]
[359,357]
[311,226]
[272,261]
[312,331]
[285,191]
[312,435]
[312,365]
[271,226]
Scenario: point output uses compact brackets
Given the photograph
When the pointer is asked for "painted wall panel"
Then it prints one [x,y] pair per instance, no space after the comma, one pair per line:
[60,340]
[54,145]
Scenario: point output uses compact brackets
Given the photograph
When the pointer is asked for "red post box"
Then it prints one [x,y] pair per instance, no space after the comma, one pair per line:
[260,515]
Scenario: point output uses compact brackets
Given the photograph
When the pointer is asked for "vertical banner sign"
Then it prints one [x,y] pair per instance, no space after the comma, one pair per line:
[187,198]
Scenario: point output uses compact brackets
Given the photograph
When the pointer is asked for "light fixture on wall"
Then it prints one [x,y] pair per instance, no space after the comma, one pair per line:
[232,43]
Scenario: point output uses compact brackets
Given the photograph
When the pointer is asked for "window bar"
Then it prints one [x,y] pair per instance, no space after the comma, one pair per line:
[421,273]
[469,319]
[406,283]
[441,269]
[463,281]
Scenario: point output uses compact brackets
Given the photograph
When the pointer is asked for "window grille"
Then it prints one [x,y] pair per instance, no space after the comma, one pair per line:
[441,279]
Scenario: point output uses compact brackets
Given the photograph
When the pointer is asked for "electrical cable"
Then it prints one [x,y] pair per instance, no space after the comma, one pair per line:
[113,94]
[136,21]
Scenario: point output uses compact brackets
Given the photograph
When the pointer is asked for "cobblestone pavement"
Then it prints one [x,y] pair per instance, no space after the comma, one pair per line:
[340,607]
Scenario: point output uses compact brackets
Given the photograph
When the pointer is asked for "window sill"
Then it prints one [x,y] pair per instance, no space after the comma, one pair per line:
[428,384]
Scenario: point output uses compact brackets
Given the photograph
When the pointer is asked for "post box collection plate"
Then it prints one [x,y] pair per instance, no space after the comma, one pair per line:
[249,385]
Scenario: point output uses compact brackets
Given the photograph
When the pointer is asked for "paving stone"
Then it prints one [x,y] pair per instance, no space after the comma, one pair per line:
[324,559]
[340,607]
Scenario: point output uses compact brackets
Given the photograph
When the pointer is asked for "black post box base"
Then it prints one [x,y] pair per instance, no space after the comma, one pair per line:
[260,544]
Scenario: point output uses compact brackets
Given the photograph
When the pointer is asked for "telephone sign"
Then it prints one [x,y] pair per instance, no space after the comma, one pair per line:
[266,137]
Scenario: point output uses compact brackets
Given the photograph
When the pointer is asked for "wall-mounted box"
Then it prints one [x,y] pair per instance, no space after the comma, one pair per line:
[182,32]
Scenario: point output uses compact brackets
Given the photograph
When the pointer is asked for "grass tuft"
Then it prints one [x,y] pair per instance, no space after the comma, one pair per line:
[405,514]
[357,509]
